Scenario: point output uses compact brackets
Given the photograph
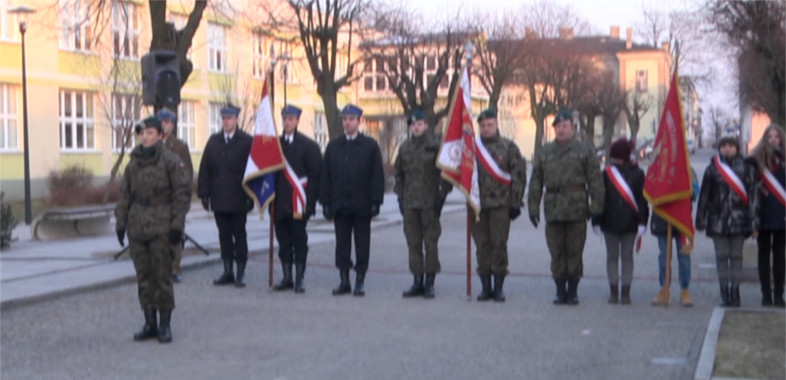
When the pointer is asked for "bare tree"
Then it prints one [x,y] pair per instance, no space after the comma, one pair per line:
[390,139]
[636,106]
[719,120]
[500,51]
[611,103]
[545,18]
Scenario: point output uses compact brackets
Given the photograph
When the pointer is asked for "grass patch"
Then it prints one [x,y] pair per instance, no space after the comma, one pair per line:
[752,345]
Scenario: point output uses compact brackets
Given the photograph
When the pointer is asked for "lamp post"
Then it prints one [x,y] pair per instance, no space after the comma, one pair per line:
[469,50]
[22,12]
[284,62]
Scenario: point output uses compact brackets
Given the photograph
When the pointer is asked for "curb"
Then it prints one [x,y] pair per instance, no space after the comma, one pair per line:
[707,357]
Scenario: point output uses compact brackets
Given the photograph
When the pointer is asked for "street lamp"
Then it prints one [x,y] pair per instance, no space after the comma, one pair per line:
[22,13]
[284,60]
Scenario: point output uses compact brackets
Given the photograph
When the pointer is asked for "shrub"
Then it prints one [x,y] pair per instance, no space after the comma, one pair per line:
[7,223]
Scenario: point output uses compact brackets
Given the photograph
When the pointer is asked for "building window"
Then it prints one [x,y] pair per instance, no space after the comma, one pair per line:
[8,119]
[215,117]
[217,48]
[320,130]
[125,30]
[186,123]
[374,78]
[180,22]
[125,113]
[8,23]
[76,32]
[77,120]
[259,48]
[284,56]
[641,81]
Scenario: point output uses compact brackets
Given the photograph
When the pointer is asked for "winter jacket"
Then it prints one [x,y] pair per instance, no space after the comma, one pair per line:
[720,210]
[618,217]
[772,213]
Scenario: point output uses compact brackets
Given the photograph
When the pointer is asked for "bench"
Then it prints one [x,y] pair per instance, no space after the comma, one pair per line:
[72,222]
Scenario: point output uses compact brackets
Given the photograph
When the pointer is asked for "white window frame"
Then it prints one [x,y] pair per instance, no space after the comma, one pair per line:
[76,32]
[642,81]
[260,48]
[373,74]
[76,124]
[125,29]
[125,113]
[186,123]
[217,48]
[8,117]
[214,121]
[9,23]
[321,130]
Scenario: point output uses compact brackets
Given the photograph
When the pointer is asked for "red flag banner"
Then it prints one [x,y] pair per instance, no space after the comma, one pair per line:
[668,183]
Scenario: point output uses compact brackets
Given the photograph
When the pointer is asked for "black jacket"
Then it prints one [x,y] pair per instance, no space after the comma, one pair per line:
[772,213]
[221,172]
[720,211]
[352,176]
[304,157]
[618,217]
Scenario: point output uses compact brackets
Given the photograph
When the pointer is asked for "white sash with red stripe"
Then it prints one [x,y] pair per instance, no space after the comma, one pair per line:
[491,166]
[731,179]
[298,191]
[622,187]
[772,184]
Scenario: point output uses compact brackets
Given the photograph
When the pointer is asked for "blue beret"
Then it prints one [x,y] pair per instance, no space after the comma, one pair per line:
[291,110]
[415,116]
[165,114]
[230,110]
[488,113]
[351,110]
[562,115]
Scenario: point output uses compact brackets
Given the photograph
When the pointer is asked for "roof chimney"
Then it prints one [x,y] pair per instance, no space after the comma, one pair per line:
[628,38]
[566,33]
[665,46]
[615,31]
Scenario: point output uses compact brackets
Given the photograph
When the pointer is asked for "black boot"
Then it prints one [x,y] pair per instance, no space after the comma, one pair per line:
[344,287]
[286,282]
[428,290]
[573,288]
[725,300]
[766,293]
[150,329]
[562,295]
[625,297]
[614,294]
[734,296]
[416,289]
[300,270]
[485,293]
[499,295]
[227,277]
[240,279]
[164,332]
[360,277]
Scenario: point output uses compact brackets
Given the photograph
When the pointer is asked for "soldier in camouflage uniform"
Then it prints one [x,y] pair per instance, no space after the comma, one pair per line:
[570,172]
[180,148]
[421,193]
[502,182]
[154,200]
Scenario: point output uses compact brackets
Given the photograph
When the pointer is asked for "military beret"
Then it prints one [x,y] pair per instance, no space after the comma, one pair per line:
[230,110]
[352,110]
[290,110]
[165,114]
[415,116]
[562,115]
[488,113]
[152,122]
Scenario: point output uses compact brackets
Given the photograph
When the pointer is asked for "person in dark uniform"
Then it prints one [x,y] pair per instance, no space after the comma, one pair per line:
[180,148]
[351,190]
[220,188]
[154,200]
[297,189]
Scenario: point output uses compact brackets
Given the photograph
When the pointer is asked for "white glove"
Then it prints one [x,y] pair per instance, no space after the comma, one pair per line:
[596,230]
[642,230]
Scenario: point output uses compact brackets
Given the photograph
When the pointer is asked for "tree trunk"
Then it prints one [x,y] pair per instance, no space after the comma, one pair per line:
[590,130]
[494,98]
[332,116]
[539,130]
[608,131]
[633,126]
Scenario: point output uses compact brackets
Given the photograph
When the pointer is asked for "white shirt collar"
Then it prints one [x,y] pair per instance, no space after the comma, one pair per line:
[351,137]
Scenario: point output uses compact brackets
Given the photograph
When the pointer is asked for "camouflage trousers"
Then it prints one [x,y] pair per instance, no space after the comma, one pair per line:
[491,240]
[153,265]
[177,255]
[566,245]
[422,228]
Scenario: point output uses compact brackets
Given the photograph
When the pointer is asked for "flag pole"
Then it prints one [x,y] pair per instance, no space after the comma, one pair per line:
[272,204]
[468,51]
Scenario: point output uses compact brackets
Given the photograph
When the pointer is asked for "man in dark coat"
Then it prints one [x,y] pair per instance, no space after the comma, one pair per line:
[220,188]
[297,189]
[351,190]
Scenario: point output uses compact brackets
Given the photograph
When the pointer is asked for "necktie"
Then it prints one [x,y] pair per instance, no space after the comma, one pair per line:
[227,138]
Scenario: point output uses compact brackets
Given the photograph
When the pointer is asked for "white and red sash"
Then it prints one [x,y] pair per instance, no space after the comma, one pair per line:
[622,187]
[774,187]
[731,179]
[298,191]
[491,166]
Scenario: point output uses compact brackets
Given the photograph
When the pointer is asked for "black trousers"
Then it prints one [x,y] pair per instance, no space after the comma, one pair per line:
[292,240]
[232,235]
[346,225]
[772,242]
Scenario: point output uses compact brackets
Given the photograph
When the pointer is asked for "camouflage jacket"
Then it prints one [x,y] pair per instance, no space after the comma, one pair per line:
[720,211]
[508,158]
[571,177]
[180,148]
[418,181]
[155,194]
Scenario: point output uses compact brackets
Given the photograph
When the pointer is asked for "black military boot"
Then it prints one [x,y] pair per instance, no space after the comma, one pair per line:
[416,289]
[300,270]
[150,329]
[562,295]
[573,288]
[725,300]
[734,296]
[614,294]
[344,287]
[360,277]
[625,297]
[240,279]
[485,293]
[428,289]
[499,295]
[227,277]
[286,282]
[164,332]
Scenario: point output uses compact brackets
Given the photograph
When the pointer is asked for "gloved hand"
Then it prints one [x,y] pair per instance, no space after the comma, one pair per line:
[175,236]
[514,212]
[596,230]
[401,206]
[206,204]
[327,212]
[438,203]
[374,210]
[641,231]
[249,204]
[121,235]
[535,220]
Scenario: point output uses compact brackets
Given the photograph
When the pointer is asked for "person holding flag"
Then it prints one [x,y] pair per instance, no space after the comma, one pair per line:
[297,189]
[624,218]
[728,210]
[768,158]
